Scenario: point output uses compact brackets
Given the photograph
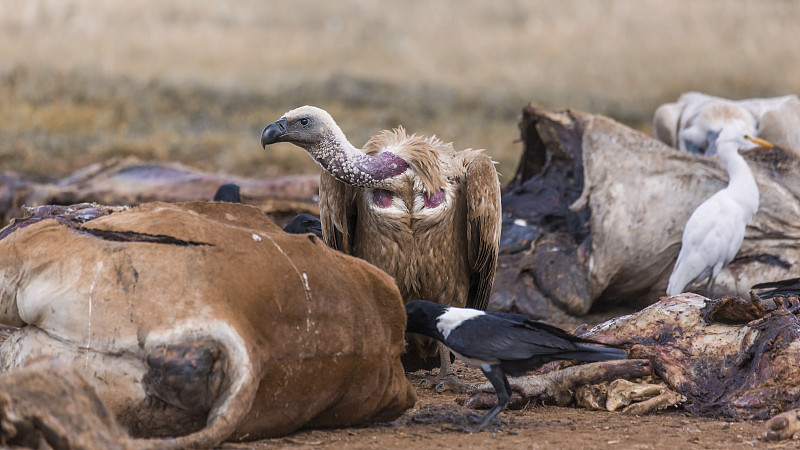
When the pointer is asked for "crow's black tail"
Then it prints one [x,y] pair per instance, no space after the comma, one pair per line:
[592,353]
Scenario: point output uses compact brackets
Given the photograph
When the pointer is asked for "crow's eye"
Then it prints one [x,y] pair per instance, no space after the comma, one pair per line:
[304,121]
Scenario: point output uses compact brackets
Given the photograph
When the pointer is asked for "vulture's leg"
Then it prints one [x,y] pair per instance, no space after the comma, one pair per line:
[446,380]
[500,383]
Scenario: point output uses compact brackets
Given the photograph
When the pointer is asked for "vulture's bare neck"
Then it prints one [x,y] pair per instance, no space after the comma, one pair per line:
[354,167]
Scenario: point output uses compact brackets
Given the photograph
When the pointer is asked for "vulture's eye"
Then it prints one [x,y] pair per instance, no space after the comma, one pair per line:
[304,121]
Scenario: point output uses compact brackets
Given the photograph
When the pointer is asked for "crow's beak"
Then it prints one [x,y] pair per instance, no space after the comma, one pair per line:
[273,132]
[759,141]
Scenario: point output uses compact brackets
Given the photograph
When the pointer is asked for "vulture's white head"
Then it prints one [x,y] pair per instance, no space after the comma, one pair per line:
[307,127]
[314,130]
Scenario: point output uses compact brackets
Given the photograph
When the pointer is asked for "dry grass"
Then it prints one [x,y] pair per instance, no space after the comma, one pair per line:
[196,81]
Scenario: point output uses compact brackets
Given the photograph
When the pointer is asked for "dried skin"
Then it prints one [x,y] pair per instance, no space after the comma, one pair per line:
[50,405]
[784,426]
[638,398]
[557,387]
[623,392]
[664,400]
[740,371]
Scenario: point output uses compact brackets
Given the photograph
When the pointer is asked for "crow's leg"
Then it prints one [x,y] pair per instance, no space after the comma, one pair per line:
[500,383]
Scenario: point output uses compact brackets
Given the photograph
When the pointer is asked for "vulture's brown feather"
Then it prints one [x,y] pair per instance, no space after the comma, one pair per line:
[430,219]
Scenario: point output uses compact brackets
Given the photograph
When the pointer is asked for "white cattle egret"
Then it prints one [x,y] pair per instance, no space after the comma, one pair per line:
[715,230]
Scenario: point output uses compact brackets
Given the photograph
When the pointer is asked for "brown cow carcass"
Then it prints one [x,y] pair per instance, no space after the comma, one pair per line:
[204,320]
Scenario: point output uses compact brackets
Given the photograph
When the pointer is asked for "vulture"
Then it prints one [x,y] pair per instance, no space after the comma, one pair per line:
[693,123]
[413,206]
[715,230]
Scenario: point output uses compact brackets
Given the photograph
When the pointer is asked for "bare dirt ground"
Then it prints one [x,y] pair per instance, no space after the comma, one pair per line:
[435,420]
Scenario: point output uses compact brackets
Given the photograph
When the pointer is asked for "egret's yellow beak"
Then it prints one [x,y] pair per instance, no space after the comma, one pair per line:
[759,141]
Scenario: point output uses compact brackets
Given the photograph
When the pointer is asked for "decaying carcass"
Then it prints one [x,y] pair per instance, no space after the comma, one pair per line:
[48,404]
[130,182]
[204,320]
[694,121]
[604,207]
[728,358]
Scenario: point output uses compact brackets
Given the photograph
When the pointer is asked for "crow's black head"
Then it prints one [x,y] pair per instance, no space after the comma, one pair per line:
[422,318]
[228,192]
[304,223]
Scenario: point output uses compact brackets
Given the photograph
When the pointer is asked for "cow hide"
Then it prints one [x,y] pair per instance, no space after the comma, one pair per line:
[204,320]
[48,404]
[616,201]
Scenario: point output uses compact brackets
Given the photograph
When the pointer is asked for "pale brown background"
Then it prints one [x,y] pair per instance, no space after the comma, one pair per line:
[196,81]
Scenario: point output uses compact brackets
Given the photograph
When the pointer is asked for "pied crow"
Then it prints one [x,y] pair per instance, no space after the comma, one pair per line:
[785,293]
[500,344]
[228,192]
[304,223]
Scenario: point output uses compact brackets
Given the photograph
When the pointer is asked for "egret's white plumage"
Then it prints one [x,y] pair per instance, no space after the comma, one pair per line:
[715,230]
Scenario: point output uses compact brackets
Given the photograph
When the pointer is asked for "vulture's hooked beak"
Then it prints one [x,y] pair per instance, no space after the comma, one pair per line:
[273,132]
[759,141]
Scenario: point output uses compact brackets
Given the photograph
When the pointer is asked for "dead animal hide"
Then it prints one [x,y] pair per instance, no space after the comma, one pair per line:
[199,322]
[745,370]
[131,182]
[623,199]
[48,404]
[632,397]
[784,426]
[557,386]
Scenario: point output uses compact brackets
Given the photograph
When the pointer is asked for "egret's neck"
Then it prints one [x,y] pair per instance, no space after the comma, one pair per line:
[741,182]
[352,166]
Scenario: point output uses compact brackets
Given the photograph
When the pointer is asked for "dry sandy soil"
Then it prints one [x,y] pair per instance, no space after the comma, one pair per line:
[196,80]
[434,423]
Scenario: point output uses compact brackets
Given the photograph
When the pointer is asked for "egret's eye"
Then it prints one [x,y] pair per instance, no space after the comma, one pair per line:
[304,121]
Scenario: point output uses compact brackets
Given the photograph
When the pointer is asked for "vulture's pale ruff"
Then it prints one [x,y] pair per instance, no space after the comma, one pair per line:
[715,230]
[413,206]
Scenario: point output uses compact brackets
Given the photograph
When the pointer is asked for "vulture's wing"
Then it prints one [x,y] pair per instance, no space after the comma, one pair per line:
[338,213]
[483,227]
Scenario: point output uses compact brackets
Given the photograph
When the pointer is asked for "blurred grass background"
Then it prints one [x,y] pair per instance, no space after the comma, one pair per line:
[195,81]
